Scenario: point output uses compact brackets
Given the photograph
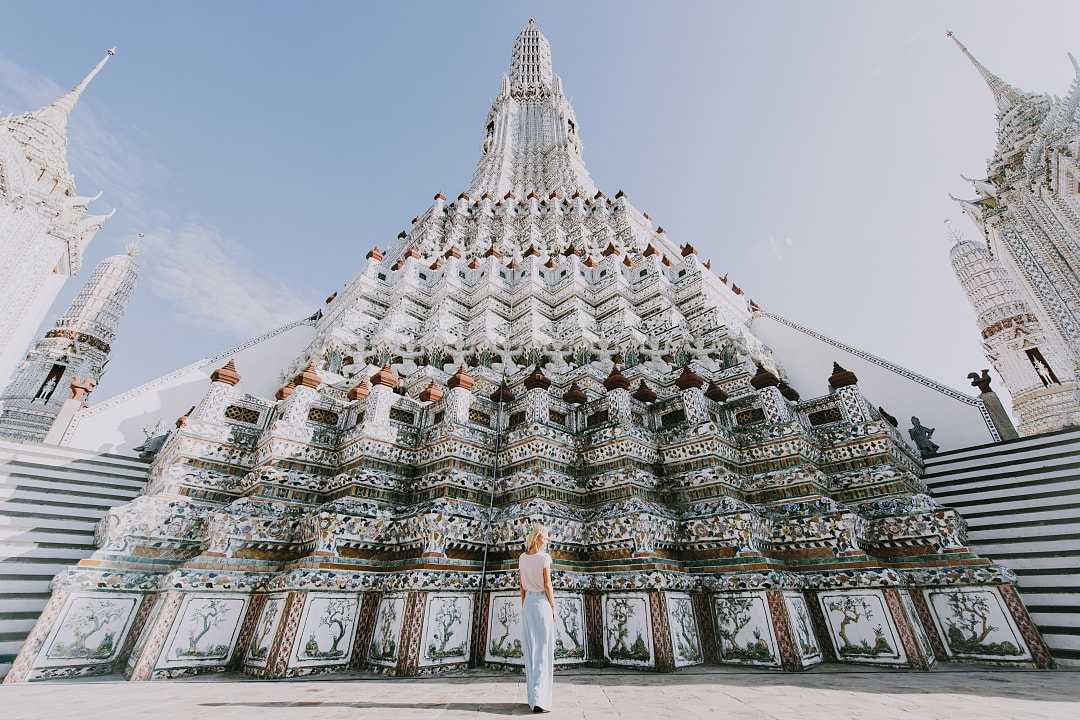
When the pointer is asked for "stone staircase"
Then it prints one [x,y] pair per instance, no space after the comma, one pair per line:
[1021,500]
[50,501]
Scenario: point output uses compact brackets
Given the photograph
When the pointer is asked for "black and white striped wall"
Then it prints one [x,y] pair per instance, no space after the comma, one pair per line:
[50,501]
[1021,500]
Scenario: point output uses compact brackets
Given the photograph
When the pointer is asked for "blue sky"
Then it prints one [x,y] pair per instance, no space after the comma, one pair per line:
[806,147]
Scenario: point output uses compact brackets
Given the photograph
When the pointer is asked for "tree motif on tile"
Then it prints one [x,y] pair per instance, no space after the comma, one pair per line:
[384,646]
[855,610]
[207,616]
[969,626]
[85,622]
[447,619]
[337,618]
[508,616]
[569,612]
[805,636]
[687,646]
[732,615]
[621,611]
[260,639]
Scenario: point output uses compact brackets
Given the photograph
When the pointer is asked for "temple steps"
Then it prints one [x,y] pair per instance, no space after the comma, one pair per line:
[1021,500]
[51,499]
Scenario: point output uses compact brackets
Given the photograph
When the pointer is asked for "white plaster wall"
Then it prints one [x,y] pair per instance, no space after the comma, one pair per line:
[116,424]
[903,393]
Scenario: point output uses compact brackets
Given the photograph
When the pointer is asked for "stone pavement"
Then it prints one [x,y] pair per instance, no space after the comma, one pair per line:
[832,692]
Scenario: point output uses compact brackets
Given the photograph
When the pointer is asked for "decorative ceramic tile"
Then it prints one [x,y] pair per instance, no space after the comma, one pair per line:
[386,640]
[861,628]
[504,629]
[685,638]
[327,627]
[920,631]
[258,649]
[628,629]
[802,629]
[92,630]
[446,629]
[744,629]
[205,630]
[974,623]
[570,635]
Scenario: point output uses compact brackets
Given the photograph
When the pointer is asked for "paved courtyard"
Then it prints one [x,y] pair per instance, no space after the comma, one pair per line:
[715,693]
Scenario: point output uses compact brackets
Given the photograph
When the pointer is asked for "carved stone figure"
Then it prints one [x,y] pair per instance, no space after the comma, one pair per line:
[921,435]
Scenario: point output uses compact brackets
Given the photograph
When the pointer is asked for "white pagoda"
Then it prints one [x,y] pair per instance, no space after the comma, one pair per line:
[1023,279]
[534,350]
[54,379]
[45,225]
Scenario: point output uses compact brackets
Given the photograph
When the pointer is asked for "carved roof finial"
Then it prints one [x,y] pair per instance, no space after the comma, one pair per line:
[1005,95]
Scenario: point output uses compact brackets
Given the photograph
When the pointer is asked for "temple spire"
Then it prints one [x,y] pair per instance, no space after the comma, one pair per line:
[57,113]
[1005,95]
[530,63]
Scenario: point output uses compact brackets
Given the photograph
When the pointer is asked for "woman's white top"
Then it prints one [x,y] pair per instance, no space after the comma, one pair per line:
[531,568]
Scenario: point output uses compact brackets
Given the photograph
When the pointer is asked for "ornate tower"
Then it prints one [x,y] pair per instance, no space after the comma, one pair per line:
[44,224]
[1025,281]
[72,355]
[1014,341]
[534,351]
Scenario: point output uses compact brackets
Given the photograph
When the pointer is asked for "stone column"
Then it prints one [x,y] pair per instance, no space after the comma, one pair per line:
[852,404]
[208,417]
[618,407]
[459,396]
[993,405]
[695,406]
[773,403]
[379,402]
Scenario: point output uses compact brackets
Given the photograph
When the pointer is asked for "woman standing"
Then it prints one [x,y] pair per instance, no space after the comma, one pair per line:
[537,619]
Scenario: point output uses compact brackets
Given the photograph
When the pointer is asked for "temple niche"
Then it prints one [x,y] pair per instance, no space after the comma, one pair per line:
[535,351]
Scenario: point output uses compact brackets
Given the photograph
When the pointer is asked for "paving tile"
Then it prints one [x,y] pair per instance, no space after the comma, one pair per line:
[831,693]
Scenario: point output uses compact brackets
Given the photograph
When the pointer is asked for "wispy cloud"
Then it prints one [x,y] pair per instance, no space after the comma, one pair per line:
[208,282]
[202,280]
[779,248]
[101,155]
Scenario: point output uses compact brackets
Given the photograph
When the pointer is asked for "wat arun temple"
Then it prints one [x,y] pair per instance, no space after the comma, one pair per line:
[723,485]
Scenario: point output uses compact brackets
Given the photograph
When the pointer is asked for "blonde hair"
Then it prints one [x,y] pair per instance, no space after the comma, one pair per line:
[535,531]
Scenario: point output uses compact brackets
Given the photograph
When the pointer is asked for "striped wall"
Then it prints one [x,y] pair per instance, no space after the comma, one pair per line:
[1021,500]
[50,501]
